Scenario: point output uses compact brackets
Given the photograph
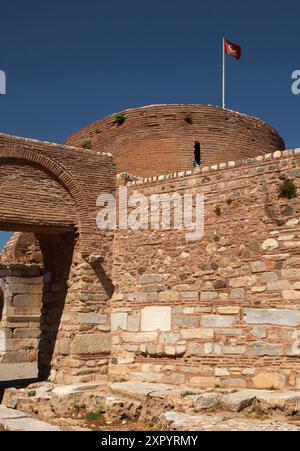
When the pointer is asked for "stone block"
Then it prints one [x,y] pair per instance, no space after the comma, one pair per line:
[292,273]
[241,282]
[270,244]
[169,338]
[119,321]
[259,332]
[278,286]
[140,337]
[156,318]
[134,321]
[268,277]
[291,295]
[276,317]
[92,318]
[91,344]
[26,300]
[269,380]
[265,349]
[234,350]
[189,295]
[202,334]
[151,278]
[204,382]
[217,321]
[194,349]
[27,333]
[237,293]
[228,310]
[209,295]
[168,296]
[258,266]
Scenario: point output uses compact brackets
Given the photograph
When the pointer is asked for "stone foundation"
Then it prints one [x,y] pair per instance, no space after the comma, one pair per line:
[21,290]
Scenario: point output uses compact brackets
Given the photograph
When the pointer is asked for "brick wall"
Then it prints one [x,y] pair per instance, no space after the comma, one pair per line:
[223,310]
[157,139]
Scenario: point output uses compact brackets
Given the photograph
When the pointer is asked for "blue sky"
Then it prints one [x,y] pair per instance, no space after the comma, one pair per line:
[69,63]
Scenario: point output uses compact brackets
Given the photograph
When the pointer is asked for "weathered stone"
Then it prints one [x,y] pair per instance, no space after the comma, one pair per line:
[241,282]
[278,286]
[92,318]
[270,245]
[204,382]
[134,321]
[236,402]
[91,344]
[26,300]
[291,295]
[228,310]
[277,317]
[207,401]
[217,321]
[141,337]
[269,380]
[203,334]
[265,349]
[268,277]
[156,318]
[208,296]
[259,332]
[169,296]
[151,278]
[237,293]
[258,267]
[234,350]
[119,321]
[189,295]
[194,349]
[27,333]
[169,338]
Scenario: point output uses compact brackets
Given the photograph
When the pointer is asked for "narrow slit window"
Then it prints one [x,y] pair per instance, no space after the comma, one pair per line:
[197,153]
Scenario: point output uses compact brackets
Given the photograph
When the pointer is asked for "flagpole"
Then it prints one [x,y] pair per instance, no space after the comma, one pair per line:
[223,73]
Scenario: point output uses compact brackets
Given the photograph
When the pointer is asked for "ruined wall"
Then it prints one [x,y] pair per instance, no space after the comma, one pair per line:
[224,310]
[158,139]
[21,289]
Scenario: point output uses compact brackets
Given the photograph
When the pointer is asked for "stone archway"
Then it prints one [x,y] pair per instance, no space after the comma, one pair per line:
[56,201]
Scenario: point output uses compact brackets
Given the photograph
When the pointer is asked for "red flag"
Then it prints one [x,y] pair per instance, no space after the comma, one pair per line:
[232,49]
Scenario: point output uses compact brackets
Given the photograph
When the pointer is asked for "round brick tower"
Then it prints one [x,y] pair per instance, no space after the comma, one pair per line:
[160,139]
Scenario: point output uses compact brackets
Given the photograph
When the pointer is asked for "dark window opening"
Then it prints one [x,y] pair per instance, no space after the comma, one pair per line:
[197,152]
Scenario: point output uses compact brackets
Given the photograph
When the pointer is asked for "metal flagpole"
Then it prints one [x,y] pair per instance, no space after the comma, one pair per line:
[223,73]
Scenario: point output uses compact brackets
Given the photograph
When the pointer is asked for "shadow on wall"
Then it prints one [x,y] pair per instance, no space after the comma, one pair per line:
[1,303]
[57,251]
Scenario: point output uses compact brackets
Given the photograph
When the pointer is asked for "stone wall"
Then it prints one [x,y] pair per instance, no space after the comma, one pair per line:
[159,139]
[223,311]
[21,289]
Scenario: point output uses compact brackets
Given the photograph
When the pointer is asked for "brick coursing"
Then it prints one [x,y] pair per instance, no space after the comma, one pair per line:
[157,139]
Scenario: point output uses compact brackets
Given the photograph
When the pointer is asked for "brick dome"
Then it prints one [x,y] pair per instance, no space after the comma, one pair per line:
[160,139]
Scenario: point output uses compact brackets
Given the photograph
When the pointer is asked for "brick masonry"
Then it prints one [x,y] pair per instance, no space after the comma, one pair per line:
[149,305]
[157,139]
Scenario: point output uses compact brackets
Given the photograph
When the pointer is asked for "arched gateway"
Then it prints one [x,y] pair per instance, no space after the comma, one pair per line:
[45,190]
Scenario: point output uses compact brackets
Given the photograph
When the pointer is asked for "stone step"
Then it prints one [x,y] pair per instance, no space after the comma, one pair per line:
[138,390]
[14,420]
[175,421]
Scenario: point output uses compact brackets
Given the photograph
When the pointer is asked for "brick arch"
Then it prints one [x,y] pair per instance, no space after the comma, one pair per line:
[65,179]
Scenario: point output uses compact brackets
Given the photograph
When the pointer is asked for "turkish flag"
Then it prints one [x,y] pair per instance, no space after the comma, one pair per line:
[232,49]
